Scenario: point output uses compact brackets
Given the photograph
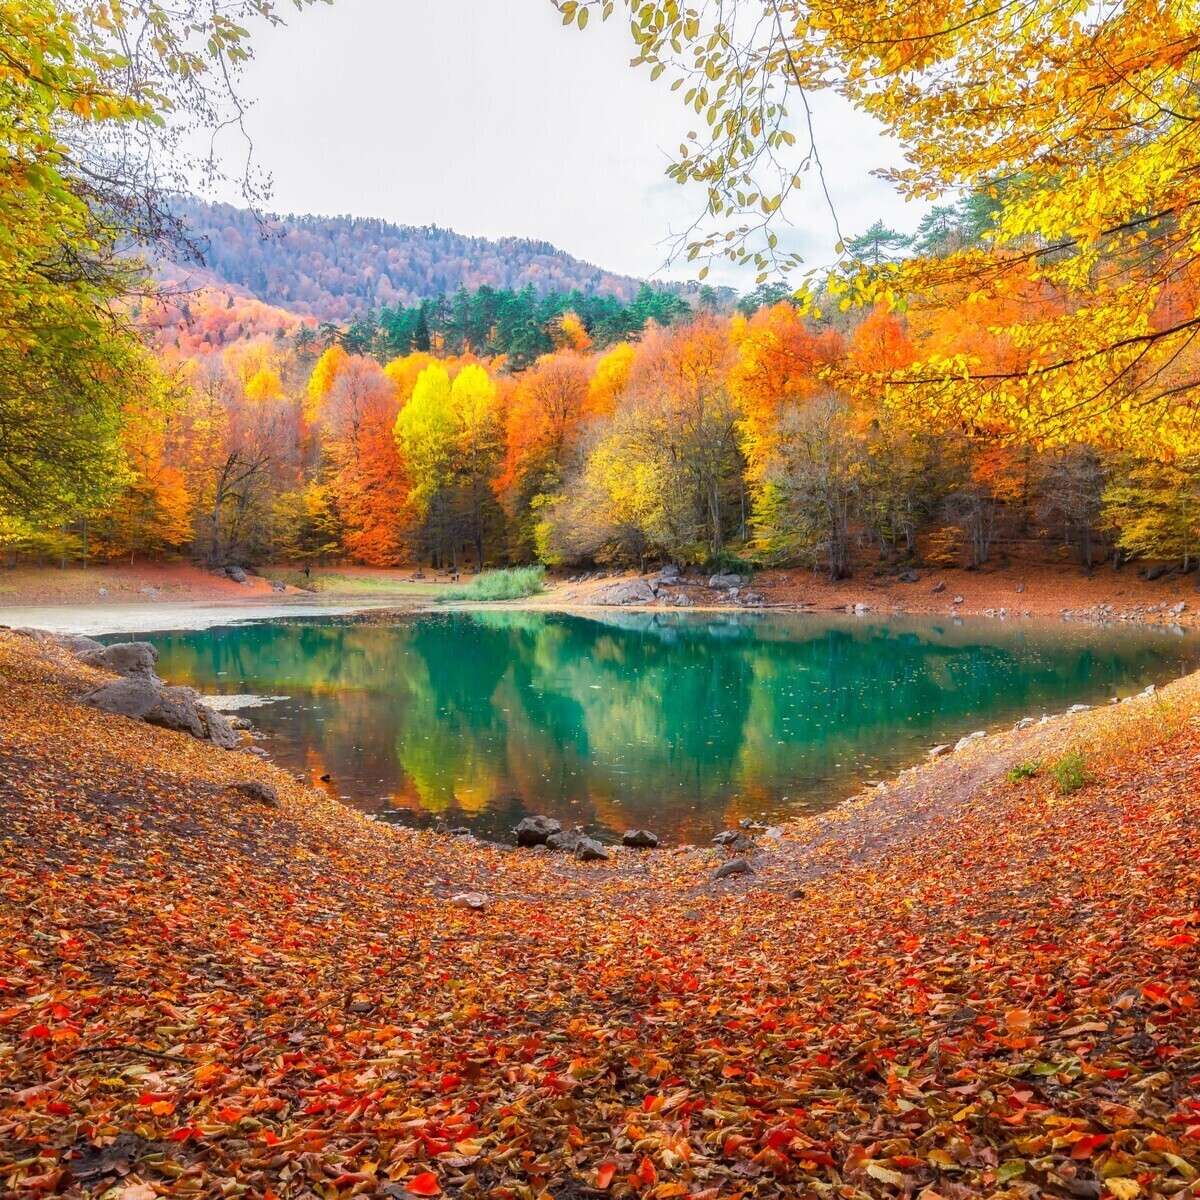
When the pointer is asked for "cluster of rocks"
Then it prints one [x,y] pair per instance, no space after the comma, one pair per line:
[741,846]
[944,748]
[139,693]
[736,841]
[667,588]
[972,739]
[542,831]
[1166,611]
[590,576]
[733,586]
[142,696]
[231,571]
[627,591]
[726,581]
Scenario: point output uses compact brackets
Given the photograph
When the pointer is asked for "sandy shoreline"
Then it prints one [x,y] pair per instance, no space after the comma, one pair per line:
[94,620]
[153,598]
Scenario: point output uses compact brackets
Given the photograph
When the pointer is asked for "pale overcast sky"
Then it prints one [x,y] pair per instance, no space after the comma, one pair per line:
[488,117]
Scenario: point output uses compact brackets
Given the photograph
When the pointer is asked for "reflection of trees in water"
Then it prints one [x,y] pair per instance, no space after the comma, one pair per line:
[640,718]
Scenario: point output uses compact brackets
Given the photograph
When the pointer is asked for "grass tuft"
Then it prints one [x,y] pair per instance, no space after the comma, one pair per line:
[513,584]
[1023,771]
[1071,773]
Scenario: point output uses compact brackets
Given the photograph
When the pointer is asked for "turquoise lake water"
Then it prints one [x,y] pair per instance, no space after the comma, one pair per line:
[680,723]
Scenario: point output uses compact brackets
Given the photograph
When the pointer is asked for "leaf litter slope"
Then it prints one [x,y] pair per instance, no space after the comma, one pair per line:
[203,997]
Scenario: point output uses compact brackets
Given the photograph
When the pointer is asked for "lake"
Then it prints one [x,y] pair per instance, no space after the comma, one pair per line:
[680,723]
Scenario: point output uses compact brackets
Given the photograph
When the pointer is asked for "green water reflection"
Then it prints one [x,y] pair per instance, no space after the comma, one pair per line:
[680,723]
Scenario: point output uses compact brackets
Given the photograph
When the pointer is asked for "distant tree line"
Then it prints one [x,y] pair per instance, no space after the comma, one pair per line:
[489,322]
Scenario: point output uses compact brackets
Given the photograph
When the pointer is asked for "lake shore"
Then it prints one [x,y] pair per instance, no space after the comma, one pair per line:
[154,597]
[941,977]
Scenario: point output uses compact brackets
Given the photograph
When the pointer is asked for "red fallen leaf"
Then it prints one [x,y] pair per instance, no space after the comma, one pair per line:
[646,1172]
[604,1174]
[818,1156]
[58,1108]
[38,1031]
[778,1138]
[425,1184]
[1088,1145]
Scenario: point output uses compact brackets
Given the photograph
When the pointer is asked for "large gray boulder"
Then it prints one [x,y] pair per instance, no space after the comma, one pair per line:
[726,580]
[177,709]
[132,698]
[735,866]
[142,698]
[567,840]
[77,643]
[124,658]
[218,727]
[639,839]
[534,831]
[590,850]
[628,591]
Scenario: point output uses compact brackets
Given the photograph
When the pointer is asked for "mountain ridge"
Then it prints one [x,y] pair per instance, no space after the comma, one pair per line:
[334,268]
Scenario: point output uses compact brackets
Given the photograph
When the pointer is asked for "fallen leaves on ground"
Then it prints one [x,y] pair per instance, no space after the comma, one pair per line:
[203,997]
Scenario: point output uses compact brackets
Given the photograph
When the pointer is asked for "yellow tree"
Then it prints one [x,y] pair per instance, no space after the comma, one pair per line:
[93,98]
[473,404]
[1076,123]
[427,435]
[610,379]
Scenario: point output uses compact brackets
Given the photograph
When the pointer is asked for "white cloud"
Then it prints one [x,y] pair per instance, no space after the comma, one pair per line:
[488,117]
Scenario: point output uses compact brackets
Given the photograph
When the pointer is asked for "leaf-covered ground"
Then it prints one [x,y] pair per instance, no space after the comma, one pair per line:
[986,988]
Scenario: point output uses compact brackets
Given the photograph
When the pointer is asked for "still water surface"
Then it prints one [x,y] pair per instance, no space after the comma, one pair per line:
[681,723]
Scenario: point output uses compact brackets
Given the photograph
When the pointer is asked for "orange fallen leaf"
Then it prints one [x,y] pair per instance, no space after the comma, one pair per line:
[425,1184]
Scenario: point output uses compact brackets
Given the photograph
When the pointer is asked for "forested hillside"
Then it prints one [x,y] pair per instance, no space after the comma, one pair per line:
[334,268]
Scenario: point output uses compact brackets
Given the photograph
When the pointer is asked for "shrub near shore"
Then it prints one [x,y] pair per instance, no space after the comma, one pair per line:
[984,989]
[514,584]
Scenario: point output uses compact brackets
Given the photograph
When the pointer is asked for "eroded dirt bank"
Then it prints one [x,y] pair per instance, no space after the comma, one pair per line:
[960,983]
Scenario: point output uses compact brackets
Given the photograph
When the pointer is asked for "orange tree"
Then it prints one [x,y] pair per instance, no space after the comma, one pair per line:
[1075,124]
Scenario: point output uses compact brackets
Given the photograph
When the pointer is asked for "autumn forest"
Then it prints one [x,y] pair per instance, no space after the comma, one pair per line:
[587,876]
[496,426]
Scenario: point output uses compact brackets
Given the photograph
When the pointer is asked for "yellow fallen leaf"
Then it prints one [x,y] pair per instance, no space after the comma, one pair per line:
[1124,1189]
[884,1174]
